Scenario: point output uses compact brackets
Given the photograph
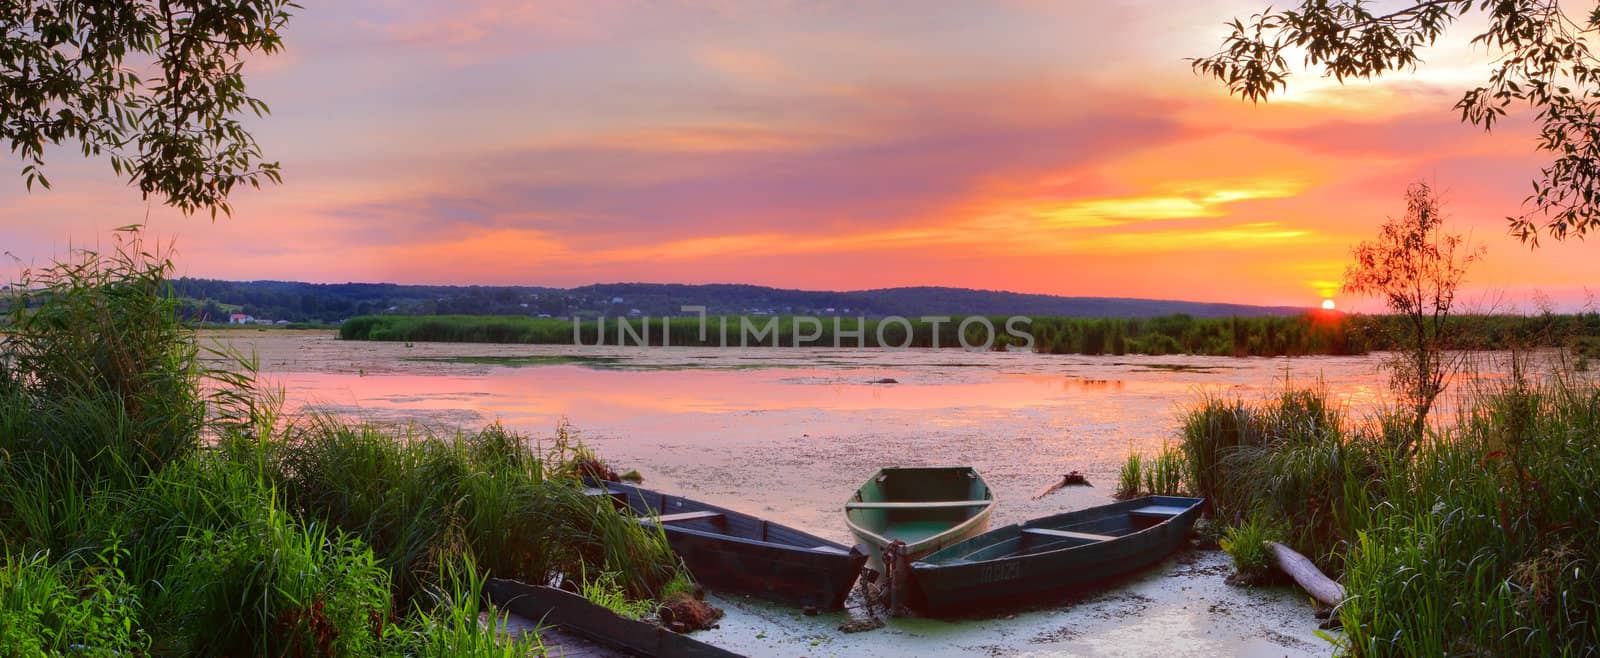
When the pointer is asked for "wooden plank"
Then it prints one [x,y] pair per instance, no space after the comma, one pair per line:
[596,491]
[1306,575]
[548,605]
[681,516]
[1047,532]
[926,504]
[1158,510]
[830,549]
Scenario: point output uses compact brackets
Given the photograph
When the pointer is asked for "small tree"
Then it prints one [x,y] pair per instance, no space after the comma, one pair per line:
[1416,267]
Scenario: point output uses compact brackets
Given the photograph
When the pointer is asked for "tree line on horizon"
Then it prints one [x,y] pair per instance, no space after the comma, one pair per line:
[213,300]
[1314,333]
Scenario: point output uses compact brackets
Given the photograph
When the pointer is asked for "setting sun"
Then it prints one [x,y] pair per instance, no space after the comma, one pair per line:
[1327,304]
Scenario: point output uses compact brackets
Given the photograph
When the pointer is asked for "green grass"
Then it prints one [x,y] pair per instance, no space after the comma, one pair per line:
[1246,543]
[150,506]
[1482,542]
[1130,477]
[56,607]
[1487,541]
[1161,474]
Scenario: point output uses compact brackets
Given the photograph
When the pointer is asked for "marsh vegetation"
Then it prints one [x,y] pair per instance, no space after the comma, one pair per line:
[1478,539]
[1316,333]
[150,505]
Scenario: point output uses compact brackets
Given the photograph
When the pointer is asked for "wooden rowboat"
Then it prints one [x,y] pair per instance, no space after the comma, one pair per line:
[736,552]
[927,508]
[544,607]
[1025,562]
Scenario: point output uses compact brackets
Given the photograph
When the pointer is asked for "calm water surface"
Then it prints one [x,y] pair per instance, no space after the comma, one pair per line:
[789,433]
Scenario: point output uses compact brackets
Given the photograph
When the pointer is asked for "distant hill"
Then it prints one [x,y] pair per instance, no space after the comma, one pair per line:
[333,302]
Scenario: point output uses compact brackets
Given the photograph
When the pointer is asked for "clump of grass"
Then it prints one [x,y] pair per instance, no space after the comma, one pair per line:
[603,590]
[1130,476]
[1163,475]
[489,494]
[1289,458]
[454,621]
[1211,433]
[273,586]
[1160,475]
[66,607]
[96,344]
[1246,543]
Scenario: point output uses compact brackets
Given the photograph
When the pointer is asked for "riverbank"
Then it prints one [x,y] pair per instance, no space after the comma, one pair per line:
[1181,607]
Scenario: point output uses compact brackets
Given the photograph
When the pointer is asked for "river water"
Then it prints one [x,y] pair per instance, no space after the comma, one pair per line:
[788,434]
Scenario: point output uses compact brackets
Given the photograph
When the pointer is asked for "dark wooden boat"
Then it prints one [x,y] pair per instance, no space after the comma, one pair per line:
[548,606]
[736,552]
[927,508]
[1051,555]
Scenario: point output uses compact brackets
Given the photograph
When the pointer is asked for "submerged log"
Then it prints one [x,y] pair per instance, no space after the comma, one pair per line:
[1073,479]
[1306,575]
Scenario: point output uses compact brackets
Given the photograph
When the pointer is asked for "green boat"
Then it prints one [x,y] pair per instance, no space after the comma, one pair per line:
[927,508]
[1044,558]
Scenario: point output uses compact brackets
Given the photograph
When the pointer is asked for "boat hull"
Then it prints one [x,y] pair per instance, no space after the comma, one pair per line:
[740,553]
[927,508]
[1003,572]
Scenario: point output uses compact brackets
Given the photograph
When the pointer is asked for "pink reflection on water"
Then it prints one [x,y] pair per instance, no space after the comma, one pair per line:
[788,434]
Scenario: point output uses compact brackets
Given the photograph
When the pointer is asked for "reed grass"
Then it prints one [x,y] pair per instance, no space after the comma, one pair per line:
[1164,474]
[1296,335]
[491,495]
[1482,542]
[1130,477]
[152,505]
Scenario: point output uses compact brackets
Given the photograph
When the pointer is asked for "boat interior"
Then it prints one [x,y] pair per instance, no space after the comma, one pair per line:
[1068,530]
[913,504]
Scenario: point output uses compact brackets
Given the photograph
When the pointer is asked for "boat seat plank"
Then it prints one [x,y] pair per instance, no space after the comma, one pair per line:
[1047,532]
[830,549]
[681,516]
[1158,511]
[596,491]
[923,504]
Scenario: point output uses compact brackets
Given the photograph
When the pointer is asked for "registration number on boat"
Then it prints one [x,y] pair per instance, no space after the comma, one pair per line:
[994,573]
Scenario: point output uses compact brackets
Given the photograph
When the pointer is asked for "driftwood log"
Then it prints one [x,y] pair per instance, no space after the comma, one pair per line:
[1306,575]
[1073,479]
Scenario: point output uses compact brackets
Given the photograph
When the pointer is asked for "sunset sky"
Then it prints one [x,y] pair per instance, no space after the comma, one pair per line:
[1051,147]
